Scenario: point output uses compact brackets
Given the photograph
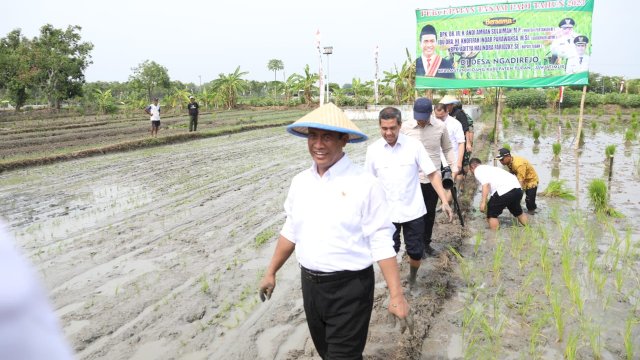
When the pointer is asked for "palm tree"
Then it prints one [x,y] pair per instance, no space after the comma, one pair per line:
[275,65]
[229,86]
[306,83]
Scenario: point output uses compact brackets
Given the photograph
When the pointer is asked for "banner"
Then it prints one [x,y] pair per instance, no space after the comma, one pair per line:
[524,44]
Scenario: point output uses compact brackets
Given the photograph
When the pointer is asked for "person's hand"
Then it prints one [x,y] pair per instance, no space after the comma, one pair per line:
[399,309]
[447,210]
[267,284]
[469,147]
[483,207]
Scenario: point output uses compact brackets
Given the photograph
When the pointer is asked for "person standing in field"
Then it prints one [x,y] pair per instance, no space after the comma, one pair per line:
[456,137]
[433,136]
[526,174]
[193,108]
[457,113]
[153,111]
[504,189]
[397,159]
[338,224]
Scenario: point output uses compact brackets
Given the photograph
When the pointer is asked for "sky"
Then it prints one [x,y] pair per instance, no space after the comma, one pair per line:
[200,39]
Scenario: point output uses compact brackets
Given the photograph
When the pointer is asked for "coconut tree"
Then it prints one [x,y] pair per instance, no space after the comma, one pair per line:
[306,83]
[275,65]
[229,86]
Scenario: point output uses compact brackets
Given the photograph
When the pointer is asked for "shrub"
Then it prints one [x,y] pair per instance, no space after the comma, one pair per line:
[526,98]
[630,100]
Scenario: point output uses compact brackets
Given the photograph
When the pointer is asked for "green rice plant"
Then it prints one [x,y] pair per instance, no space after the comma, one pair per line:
[599,279]
[531,123]
[627,336]
[634,125]
[600,112]
[594,126]
[612,121]
[630,136]
[505,122]
[476,243]
[498,256]
[556,188]
[558,313]
[536,333]
[465,266]
[507,146]
[595,340]
[566,261]
[576,296]
[536,136]
[263,237]
[204,284]
[543,125]
[592,256]
[598,195]
[619,278]
[568,124]
[619,114]
[556,147]
[571,349]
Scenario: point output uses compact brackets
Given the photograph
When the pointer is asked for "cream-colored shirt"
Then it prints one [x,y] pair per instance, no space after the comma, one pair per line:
[434,137]
[339,221]
[398,169]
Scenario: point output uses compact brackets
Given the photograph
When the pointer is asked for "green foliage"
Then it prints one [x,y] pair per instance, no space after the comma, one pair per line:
[148,75]
[229,86]
[556,188]
[531,123]
[263,237]
[610,150]
[532,98]
[598,195]
[594,125]
[536,135]
[556,147]
[492,135]
[630,135]
[505,122]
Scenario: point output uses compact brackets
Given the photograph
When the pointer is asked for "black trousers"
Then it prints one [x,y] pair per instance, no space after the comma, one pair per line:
[530,198]
[430,201]
[338,308]
[193,122]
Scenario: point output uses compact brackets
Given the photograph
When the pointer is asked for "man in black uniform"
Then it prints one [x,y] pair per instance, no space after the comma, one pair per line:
[193,113]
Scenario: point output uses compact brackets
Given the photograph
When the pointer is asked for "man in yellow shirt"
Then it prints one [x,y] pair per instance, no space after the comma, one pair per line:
[526,174]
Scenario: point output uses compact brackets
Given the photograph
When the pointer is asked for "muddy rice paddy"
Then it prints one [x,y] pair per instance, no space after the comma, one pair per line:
[157,253]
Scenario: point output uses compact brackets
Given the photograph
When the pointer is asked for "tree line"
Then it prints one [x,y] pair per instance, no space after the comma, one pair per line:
[50,68]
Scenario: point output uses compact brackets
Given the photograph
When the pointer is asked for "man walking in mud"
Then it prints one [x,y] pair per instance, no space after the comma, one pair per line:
[526,174]
[504,189]
[338,224]
[434,137]
[397,159]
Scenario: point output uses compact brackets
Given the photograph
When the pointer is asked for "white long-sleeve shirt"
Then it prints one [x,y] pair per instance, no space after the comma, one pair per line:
[398,169]
[339,221]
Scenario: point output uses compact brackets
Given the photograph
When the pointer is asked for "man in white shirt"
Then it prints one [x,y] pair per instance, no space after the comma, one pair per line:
[29,329]
[505,191]
[397,159]
[153,111]
[457,139]
[435,139]
[338,224]
[579,61]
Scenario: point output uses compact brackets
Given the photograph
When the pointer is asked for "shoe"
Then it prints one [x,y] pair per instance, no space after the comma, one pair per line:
[429,251]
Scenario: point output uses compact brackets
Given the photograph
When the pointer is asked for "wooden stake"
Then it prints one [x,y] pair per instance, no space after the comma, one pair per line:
[584,95]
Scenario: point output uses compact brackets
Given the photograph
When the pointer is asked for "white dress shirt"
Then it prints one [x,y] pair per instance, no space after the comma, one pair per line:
[500,180]
[29,329]
[398,168]
[456,135]
[339,221]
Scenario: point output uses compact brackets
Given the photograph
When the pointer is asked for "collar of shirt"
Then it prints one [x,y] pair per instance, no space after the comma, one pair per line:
[335,170]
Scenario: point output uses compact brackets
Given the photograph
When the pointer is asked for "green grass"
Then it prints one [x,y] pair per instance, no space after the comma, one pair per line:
[263,237]
[556,188]
[630,135]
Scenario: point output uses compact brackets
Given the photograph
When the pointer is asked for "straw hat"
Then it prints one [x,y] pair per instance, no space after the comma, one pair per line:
[448,99]
[327,117]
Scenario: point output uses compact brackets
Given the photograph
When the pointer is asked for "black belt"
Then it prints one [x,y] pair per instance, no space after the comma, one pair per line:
[321,277]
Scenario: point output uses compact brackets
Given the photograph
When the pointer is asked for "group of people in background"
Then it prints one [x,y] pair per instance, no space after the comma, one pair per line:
[153,110]
[340,219]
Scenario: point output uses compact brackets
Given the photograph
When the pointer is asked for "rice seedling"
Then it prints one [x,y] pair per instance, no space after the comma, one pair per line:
[263,237]
[498,256]
[556,147]
[556,188]
[558,313]
[630,136]
[619,280]
[476,243]
[204,284]
[568,124]
[531,123]
[627,336]
[536,136]
[571,348]
[536,333]
[543,125]
[612,121]
[505,122]
[595,340]
[594,126]
[599,279]
[465,266]
[599,199]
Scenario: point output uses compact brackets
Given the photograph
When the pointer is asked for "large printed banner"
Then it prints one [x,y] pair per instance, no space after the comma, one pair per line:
[525,44]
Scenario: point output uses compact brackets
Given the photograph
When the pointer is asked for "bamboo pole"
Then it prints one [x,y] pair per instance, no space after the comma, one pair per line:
[584,95]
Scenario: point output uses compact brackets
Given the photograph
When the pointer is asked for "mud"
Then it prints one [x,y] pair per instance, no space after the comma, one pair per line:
[153,253]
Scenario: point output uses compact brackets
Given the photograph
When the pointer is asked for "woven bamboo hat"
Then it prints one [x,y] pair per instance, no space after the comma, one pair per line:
[448,99]
[327,117]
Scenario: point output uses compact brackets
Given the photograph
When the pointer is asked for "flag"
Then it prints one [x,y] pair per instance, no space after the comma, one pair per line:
[561,92]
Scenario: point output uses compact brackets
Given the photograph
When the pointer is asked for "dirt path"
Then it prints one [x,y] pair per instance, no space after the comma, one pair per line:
[152,253]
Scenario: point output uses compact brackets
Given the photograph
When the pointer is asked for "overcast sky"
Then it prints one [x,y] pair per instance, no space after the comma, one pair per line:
[199,39]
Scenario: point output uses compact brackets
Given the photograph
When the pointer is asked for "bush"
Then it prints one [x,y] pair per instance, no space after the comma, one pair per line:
[526,98]
[630,100]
